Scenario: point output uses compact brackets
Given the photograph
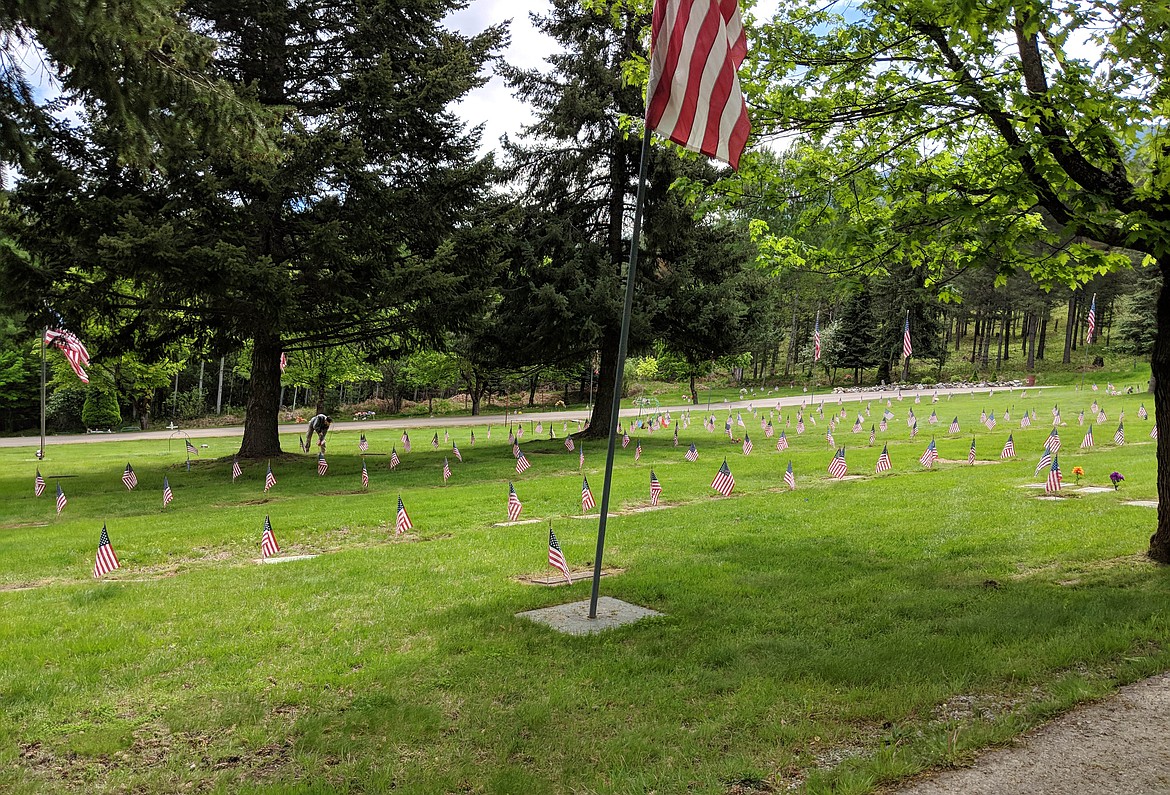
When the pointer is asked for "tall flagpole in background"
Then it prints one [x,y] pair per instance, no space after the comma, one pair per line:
[44,368]
[688,37]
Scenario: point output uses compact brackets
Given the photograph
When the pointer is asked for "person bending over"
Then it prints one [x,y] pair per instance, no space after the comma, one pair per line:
[320,426]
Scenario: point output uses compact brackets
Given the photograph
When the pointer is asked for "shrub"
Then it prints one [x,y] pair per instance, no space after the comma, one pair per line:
[100,409]
[63,408]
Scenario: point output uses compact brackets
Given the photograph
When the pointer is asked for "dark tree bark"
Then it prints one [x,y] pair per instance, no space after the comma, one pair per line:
[1068,330]
[261,438]
[1033,325]
[1043,337]
[1160,369]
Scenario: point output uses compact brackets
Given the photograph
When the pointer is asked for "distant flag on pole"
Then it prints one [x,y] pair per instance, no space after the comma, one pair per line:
[393,458]
[283,361]
[403,524]
[837,467]
[365,475]
[724,482]
[129,478]
[236,471]
[269,479]
[817,338]
[1088,440]
[363,445]
[75,352]
[693,95]
[38,484]
[1009,448]
[789,477]
[692,453]
[1119,437]
[268,545]
[655,488]
[907,348]
[514,504]
[971,452]
[1054,478]
[587,503]
[1091,324]
[556,558]
[168,495]
[61,501]
[929,456]
[322,464]
[883,462]
[106,560]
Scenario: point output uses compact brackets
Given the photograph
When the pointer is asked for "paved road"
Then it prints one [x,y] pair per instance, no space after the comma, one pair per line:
[760,402]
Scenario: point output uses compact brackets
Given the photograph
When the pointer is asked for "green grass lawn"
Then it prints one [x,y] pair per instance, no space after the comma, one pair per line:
[841,636]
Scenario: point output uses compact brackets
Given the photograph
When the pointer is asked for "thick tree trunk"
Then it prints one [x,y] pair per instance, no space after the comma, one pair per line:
[694,394]
[603,401]
[261,437]
[975,338]
[1160,367]
[1033,326]
[1043,337]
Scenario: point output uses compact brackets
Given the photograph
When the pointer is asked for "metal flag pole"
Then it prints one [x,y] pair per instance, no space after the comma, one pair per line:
[44,369]
[615,406]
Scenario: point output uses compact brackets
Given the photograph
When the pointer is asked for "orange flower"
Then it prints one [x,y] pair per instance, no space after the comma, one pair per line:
[1078,471]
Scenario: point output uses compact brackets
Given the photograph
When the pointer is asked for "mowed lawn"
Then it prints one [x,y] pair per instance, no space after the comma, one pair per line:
[837,637]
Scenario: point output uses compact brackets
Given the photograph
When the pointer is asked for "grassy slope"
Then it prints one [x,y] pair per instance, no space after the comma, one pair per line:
[849,622]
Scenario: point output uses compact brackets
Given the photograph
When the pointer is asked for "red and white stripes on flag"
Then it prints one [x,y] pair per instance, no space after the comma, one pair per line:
[74,350]
[907,347]
[655,488]
[106,561]
[39,483]
[724,482]
[693,96]
[556,557]
[1091,324]
[817,338]
[790,478]
[587,502]
[268,545]
[403,523]
[514,504]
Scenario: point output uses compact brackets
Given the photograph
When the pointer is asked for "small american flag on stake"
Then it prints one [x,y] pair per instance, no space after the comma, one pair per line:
[269,479]
[236,471]
[322,464]
[724,482]
[838,467]
[655,488]
[790,478]
[514,504]
[106,561]
[363,445]
[638,452]
[883,462]
[38,485]
[692,453]
[587,502]
[1119,437]
[971,452]
[403,524]
[129,478]
[268,545]
[929,456]
[393,458]
[61,501]
[1054,478]
[365,475]
[191,448]
[954,426]
[455,452]
[1009,448]
[556,557]
[569,443]
[747,445]
[1088,440]
[522,464]
[168,495]
[446,470]
[781,442]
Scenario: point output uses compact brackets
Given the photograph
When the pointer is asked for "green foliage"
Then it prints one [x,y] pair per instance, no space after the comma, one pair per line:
[100,410]
[63,407]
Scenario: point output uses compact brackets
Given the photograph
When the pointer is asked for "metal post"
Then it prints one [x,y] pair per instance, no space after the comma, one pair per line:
[219,393]
[615,407]
[44,370]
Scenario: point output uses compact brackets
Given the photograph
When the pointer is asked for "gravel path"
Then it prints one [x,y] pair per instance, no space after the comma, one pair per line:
[1120,746]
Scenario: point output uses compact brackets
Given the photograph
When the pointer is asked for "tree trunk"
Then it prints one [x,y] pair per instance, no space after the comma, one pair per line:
[603,399]
[1160,367]
[694,394]
[1068,330]
[533,383]
[261,436]
[1033,326]
[975,338]
[1043,337]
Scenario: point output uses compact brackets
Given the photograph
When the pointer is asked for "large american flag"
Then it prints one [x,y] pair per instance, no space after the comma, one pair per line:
[837,467]
[38,484]
[556,557]
[693,95]
[514,504]
[106,561]
[1009,448]
[817,338]
[789,477]
[907,348]
[269,479]
[168,495]
[587,502]
[724,482]
[403,524]
[883,462]
[1091,324]
[129,478]
[268,545]
[692,453]
[74,350]
[1054,478]
[61,501]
